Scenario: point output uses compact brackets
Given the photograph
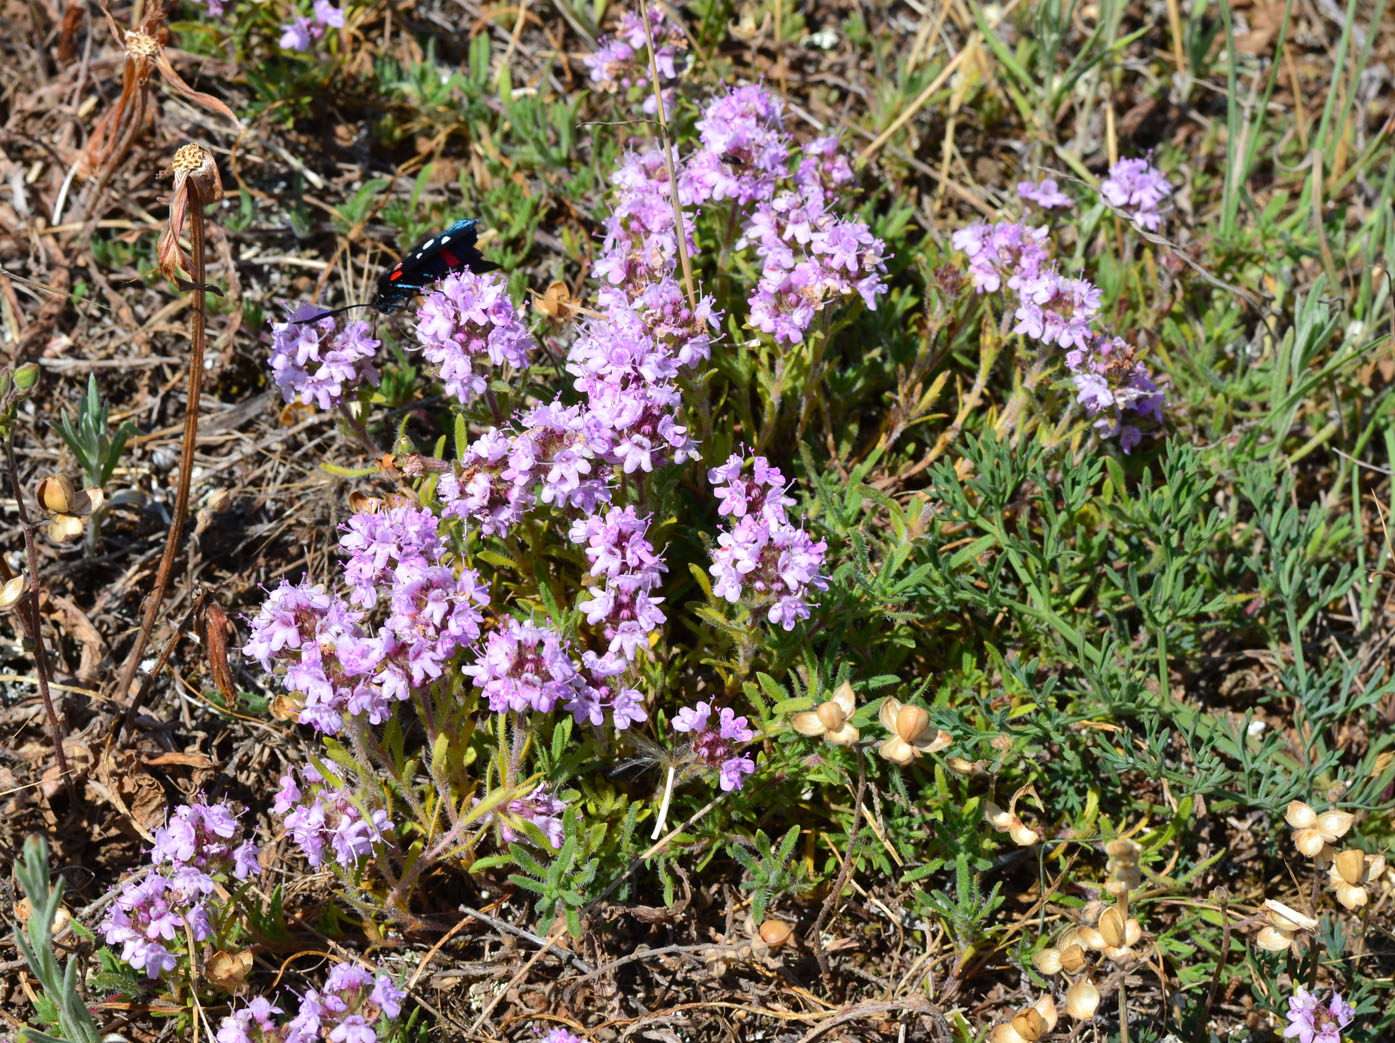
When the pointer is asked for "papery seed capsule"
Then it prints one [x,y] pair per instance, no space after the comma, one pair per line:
[1300,815]
[1335,823]
[912,723]
[1351,865]
[1047,961]
[1072,959]
[1083,1000]
[57,493]
[1273,939]
[1111,927]
[1046,1007]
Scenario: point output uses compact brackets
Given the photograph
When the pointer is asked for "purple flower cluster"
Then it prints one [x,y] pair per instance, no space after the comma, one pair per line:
[627,363]
[540,808]
[622,606]
[1111,382]
[468,324]
[621,62]
[1057,309]
[762,556]
[641,237]
[325,647]
[317,362]
[1310,1022]
[1003,254]
[328,819]
[560,1036]
[200,847]
[716,740]
[299,33]
[744,149]
[1139,190]
[811,257]
[523,667]
[1044,193]
[355,1006]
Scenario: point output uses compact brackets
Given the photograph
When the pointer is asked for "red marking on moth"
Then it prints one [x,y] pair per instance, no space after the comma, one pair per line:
[395,274]
[450,258]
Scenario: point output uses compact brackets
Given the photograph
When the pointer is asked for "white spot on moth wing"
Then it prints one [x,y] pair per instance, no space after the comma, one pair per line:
[426,246]
[445,239]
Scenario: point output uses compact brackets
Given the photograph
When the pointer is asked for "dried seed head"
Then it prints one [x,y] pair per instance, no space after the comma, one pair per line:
[1122,851]
[141,45]
[1082,1000]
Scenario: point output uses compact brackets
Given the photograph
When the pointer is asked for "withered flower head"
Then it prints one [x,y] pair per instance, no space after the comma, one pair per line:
[196,182]
[1283,926]
[66,505]
[119,126]
[1351,874]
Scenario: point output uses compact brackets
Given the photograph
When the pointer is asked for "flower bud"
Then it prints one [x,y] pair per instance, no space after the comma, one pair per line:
[25,377]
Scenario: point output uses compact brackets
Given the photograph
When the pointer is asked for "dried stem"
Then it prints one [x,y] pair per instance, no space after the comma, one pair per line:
[816,932]
[196,203]
[680,230]
[28,609]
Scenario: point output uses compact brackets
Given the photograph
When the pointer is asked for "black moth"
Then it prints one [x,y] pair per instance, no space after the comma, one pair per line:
[450,251]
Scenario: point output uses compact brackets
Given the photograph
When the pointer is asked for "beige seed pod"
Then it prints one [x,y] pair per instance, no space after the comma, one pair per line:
[1082,1000]
[1111,927]
[1073,959]
[1047,961]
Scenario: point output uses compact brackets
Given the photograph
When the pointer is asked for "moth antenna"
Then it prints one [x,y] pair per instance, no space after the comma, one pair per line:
[327,314]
